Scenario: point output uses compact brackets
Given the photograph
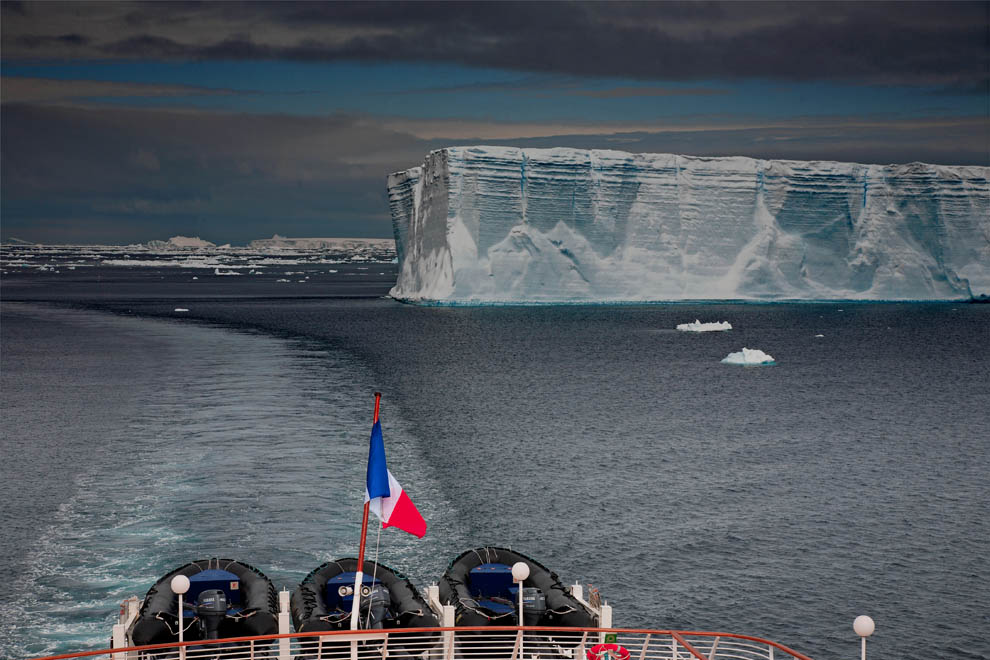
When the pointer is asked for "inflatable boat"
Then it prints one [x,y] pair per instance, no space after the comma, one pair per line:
[479,585]
[226,598]
[323,600]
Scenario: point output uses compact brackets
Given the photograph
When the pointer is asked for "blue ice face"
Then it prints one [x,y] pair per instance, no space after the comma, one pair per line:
[501,224]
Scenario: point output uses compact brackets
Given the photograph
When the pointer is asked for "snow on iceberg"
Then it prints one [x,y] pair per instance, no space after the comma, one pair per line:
[749,356]
[181,243]
[502,224]
[698,326]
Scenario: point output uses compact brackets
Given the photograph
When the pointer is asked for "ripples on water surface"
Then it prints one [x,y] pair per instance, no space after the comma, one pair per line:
[778,501]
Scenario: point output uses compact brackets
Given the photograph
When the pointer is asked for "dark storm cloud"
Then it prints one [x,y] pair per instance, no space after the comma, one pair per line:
[111,174]
[36,42]
[46,90]
[122,174]
[922,43]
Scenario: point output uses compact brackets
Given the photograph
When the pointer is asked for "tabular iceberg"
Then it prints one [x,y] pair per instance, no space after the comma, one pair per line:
[698,326]
[480,225]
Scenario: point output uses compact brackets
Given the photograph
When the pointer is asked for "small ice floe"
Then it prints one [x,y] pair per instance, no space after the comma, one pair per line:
[282,279]
[749,356]
[195,278]
[217,271]
[698,326]
[817,336]
[180,309]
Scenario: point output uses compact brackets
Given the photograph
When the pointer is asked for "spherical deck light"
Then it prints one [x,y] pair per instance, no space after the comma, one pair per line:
[864,626]
[179,584]
[520,571]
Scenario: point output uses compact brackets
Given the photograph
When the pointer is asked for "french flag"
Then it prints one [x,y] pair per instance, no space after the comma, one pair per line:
[389,502]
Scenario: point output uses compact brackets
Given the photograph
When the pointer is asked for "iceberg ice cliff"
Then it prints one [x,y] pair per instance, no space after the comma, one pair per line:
[505,225]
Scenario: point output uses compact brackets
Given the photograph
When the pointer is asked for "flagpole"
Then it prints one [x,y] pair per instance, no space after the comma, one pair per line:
[359,574]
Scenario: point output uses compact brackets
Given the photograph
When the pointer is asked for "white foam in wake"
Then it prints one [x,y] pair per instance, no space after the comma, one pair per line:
[698,326]
[749,356]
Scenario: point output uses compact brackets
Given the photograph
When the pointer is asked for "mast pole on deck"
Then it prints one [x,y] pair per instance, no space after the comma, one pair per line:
[359,574]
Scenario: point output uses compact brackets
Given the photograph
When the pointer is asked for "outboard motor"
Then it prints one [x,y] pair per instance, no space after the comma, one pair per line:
[211,610]
[534,606]
[375,600]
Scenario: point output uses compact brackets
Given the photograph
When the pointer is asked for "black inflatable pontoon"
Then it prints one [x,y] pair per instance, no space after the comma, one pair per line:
[226,598]
[479,585]
[324,598]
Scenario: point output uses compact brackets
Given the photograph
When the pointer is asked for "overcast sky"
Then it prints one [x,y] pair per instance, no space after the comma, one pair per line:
[124,122]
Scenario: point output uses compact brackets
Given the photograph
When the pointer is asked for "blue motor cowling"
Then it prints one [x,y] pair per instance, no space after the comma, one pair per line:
[211,609]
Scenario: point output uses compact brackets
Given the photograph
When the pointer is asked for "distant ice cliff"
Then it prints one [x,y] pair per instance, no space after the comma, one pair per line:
[277,242]
[500,224]
[181,243]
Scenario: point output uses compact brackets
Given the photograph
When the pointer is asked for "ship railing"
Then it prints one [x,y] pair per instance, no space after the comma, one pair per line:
[465,643]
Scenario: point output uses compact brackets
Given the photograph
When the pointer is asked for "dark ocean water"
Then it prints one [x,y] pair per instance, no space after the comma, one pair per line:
[849,478]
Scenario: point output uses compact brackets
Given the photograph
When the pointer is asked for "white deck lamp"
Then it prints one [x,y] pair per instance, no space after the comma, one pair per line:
[520,571]
[180,585]
[864,627]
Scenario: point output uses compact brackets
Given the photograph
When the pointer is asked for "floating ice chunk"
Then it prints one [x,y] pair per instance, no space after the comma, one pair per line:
[282,279]
[698,326]
[217,271]
[817,336]
[748,356]
[181,309]
[195,278]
